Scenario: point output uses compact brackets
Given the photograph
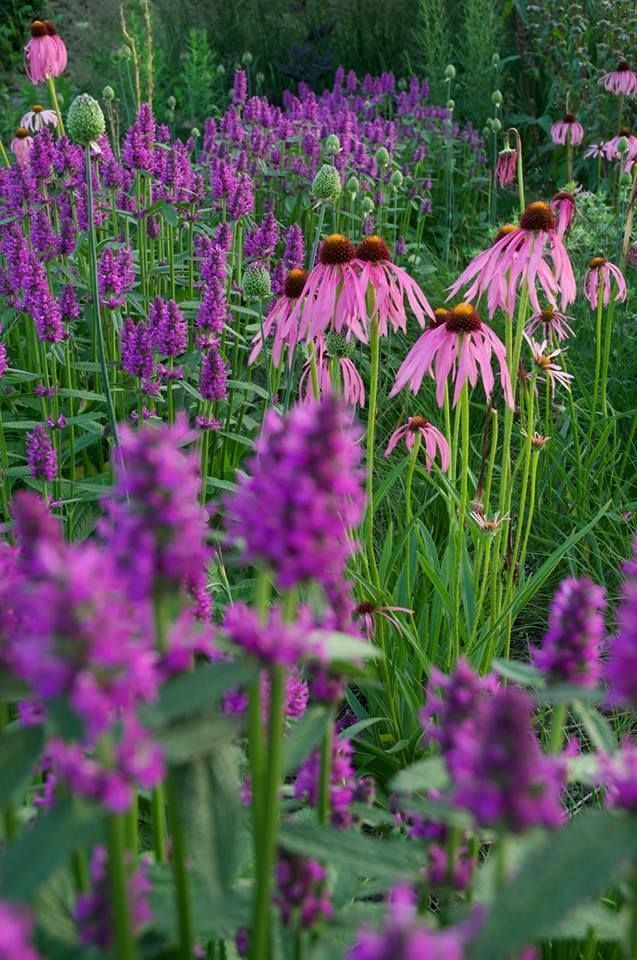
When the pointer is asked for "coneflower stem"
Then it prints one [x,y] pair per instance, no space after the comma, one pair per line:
[463,415]
[123,941]
[557,728]
[323,806]
[179,856]
[56,106]
[413,458]
[608,336]
[598,359]
[97,320]
[374,347]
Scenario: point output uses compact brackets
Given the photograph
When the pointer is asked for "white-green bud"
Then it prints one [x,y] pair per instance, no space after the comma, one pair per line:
[256,283]
[367,205]
[195,133]
[108,93]
[247,58]
[622,145]
[496,125]
[396,180]
[353,185]
[332,145]
[625,179]
[85,120]
[125,52]
[221,70]
[382,156]
[451,104]
[171,103]
[327,184]
[496,98]
[450,72]
[495,59]
[260,77]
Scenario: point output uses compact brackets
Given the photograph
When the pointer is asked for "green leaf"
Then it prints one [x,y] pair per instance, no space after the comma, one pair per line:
[38,851]
[428,774]
[20,750]
[343,646]
[521,673]
[350,732]
[597,727]
[571,866]
[190,692]
[304,737]
[386,859]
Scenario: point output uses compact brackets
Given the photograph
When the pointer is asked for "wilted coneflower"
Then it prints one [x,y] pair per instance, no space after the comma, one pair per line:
[278,317]
[622,80]
[547,370]
[506,167]
[45,54]
[520,256]
[564,207]
[21,144]
[332,297]
[598,281]
[568,130]
[368,610]
[434,440]
[333,350]
[37,118]
[460,348]
[552,323]
[391,284]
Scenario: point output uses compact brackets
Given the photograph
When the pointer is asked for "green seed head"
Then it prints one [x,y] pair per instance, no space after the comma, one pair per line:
[256,283]
[496,125]
[108,93]
[450,72]
[327,184]
[171,103]
[382,157]
[247,58]
[332,145]
[85,120]
[495,59]
[367,205]
[451,104]
[353,185]
[496,98]
[195,133]
[221,70]
[396,180]
[622,145]
[337,346]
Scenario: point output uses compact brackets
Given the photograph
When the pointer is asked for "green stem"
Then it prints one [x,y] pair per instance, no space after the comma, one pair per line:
[124,947]
[264,347]
[462,415]
[598,360]
[56,106]
[608,336]
[179,856]
[557,728]
[409,478]
[374,346]
[323,807]
[92,245]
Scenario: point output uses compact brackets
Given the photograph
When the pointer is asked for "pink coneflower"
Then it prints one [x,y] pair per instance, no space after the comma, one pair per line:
[391,285]
[488,524]
[462,348]
[278,317]
[368,610]
[21,145]
[621,80]
[548,370]
[595,150]
[553,324]
[332,297]
[520,256]
[567,129]
[37,118]
[327,349]
[45,54]
[564,207]
[506,167]
[433,439]
[612,153]
[598,278]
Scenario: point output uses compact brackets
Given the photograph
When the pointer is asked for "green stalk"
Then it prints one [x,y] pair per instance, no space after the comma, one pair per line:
[557,728]
[97,321]
[180,873]
[409,478]
[608,336]
[56,106]
[158,801]
[124,947]
[9,818]
[598,360]
[632,936]
[374,346]
[462,415]
[323,807]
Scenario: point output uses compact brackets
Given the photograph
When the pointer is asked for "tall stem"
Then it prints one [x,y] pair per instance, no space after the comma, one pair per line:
[97,320]
[124,947]
[374,346]
[598,359]
[463,416]
[56,106]
[410,476]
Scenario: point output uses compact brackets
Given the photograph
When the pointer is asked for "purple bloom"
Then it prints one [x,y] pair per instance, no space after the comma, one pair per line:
[570,651]
[343,784]
[156,528]
[301,890]
[15,932]
[41,457]
[69,307]
[169,328]
[4,363]
[213,377]
[307,474]
[272,642]
[136,343]
[41,304]
[139,143]
[621,669]
[115,276]
[294,255]
[240,86]
[500,773]
[619,775]
[93,910]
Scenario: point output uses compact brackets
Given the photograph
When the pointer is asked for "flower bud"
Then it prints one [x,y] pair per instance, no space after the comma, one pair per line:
[451,104]
[195,133]
[221,70]
[327,184]
[496,98]
[625,179]
[85,120]
[402,84]
[450,72]
[332,145]
[396,180]
[495,59]
[367,205]
[260,77]
[622,145]
[382,156]
[496,125]
[353,185]
[108,93]
[256,282]
[171,103]
[125,52]
[247,58]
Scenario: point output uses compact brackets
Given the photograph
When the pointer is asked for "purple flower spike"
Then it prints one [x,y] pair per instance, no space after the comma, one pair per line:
[570,651]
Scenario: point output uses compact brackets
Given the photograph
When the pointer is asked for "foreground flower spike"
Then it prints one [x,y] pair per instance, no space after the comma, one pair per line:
[551,323]
[500,773]
[621,668]
[434,441]
[405,937]
[15,933]
[567,130]
[571,646]
[21,144]
[547,370]
[307,473]
[391,284]
[93,910]
[520,255]
[461,347]
[618,773]
[156,528]
[332,297]
[45,54]
[598,282]
[622,80]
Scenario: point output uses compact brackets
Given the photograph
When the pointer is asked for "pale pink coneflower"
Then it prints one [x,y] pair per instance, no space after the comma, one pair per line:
[329,349]
[553,324]
[391,284]
[567,129]
[277,318]
[21,145]
[564,207]
[548,371]
[621,80]
[598,279]
[506,167]
[595,150]
[459,348]
[367,610]
[488,524]
[332,298]
[434,441]
[37,118]
[520,256]
[45,54]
